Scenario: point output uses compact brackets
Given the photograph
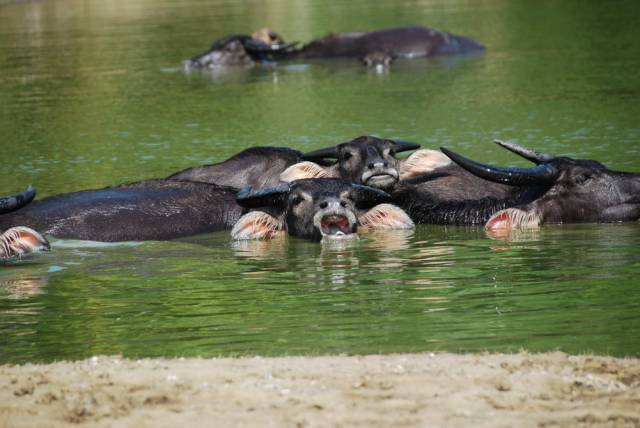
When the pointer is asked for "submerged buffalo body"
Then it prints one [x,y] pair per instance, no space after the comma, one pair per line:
[381,46]
[17,241]
[168,209]
[146,210]
[316,209]
[374,48]
[256,167]
[556,190]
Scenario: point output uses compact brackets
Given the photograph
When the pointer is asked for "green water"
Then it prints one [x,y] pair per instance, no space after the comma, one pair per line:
[92,94]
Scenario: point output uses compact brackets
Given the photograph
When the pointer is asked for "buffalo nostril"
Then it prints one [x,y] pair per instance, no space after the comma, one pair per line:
[371,165]
[324,205]
[385,164]
[343,204]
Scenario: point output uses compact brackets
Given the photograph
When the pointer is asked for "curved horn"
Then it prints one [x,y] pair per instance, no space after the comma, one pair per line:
[543,173]
[221,43]
[255,198]
[258,46]
[528,154]
[12,203]
[367,197]
[405,146]
[326,152]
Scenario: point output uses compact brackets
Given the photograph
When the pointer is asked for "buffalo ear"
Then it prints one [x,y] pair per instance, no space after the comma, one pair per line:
[19,241]
[367,197]
[258,225]
[302,170]
[385,216]
[422,162]
[269,197]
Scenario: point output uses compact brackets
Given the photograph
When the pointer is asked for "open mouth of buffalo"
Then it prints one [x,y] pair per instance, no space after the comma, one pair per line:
[381,178]
[335,225]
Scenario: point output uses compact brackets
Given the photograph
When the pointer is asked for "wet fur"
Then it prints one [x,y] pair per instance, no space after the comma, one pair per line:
[145,210]
[256,167]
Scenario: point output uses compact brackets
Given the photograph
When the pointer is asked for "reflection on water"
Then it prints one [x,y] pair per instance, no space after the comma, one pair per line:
[435,288]
[514,235]
[92,94]
[23,287]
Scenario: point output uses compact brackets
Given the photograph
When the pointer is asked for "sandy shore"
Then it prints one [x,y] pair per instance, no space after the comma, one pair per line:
[408,390]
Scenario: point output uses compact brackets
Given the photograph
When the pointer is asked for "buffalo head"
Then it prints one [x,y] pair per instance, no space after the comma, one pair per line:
[378,60]
[367,160]
[316,209]
[560,190]
[239,49]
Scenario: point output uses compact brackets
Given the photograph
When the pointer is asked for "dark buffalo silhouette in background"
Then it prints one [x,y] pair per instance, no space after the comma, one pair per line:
[241,49]
[373,48]
[383,46]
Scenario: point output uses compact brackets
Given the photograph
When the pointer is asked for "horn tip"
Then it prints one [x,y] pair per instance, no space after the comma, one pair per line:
[244,192]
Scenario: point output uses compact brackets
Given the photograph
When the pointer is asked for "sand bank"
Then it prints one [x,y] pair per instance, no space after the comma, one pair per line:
[403,390]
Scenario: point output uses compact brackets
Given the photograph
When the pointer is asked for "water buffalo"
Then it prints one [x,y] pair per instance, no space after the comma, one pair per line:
[371,161]
[168,209]
[256,167]
[556,190]
[240,49]
[382,46]
[364,160]
[316,209]
[146,210]
[19,240]
[373,48]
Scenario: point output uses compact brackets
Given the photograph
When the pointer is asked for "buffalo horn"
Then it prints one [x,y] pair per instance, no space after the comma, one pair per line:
[258,46]
[221,43]
[528,154]
[404,146]
[255,198]
[12,203]
[543,173]
[326,152]
[367,197]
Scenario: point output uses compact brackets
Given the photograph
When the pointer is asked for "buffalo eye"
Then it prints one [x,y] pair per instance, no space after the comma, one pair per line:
[347,155]
[583,178]
[297,200]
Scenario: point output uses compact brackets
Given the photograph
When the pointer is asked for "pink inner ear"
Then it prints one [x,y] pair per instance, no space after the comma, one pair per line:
[500,220]
[385,216]
[27,239]
[19,240]
[257,225]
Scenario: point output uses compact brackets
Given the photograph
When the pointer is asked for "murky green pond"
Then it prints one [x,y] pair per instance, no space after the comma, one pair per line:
[91,94]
